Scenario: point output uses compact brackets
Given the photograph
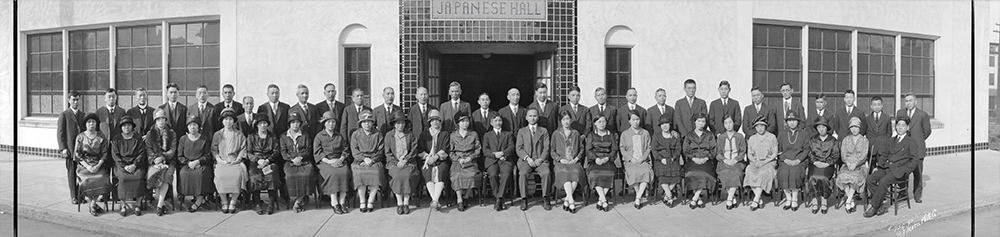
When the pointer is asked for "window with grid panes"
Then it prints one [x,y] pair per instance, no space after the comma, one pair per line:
[917,71]
[357,72]
[777,59]
[618,76]
[139,64]
[89,65]
[993,79]
[45,74]
[829,66]
[194,59]
[876,70]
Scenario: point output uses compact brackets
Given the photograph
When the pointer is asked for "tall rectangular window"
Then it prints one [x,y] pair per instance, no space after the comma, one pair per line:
[993,79]
[194,59]
[829,66]
[777,59]
[357,72]
[89,65]
[876,70]
[918,71]
[139,63]
[45,74]
[993,61]
[618,77]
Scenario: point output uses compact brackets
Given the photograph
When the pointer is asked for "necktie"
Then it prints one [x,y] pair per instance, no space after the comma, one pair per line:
[359,109]
[910,114]
[388,110]
[514,110]
[541,106]
[201,108]
[786,108]
[423,109]
[876,117]
[484,115]
[454,105]
[601,109]
[849,110]
[690,103]
[724,103]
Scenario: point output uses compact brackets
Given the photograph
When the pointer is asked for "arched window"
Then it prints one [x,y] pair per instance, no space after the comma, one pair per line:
[618,45]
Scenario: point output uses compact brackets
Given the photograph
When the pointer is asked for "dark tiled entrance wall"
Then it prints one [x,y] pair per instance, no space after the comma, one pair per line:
[416,26]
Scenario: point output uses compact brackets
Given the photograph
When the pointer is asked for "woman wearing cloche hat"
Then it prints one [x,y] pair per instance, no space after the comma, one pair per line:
[263,153]
[333,160]
[367,149]
[161,147]
[433,146]
[296,149]
[228,147]
[854,154]
[762,152]
[401,162]
[793,144]
[129,152]
[91,154]
[824,151]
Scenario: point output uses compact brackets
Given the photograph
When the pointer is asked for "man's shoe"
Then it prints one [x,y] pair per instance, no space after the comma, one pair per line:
[524,204]
[547,205]
[917,199]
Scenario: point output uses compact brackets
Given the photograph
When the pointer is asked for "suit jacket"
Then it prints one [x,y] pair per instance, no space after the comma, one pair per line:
[208,118]
[610,113]
[176,118]
[717,112]
[811,119]
[482,124]
[311,117]
[338,110]
[383,119]
[580,117]
[534,145]
[418,119]
[349,120]
[652,120]
[237,106]
[69,126]
[920,129]
[842,121]
[548,119]
[779,110]
[684,112]
[878,132]
[109,121]
[513,122]
[246,127]
[902,156]
[143,119]
[623,113]
[279,120]
[502,142]
[448,113]
[750,113]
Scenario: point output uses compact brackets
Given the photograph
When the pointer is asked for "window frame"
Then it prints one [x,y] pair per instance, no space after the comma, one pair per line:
[348,88]
[617,100]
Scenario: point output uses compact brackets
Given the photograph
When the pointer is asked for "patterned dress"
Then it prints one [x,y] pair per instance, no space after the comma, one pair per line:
[367,145]
[699,176]
[465,175]
[130,151]
[854,150]
[731,147]
[298,178]
[762,152]
[669,149]
[229,147]
[402,146]
[333,178]
[635,144]
[92,150]
[567,147]
[160,144]
[599,147]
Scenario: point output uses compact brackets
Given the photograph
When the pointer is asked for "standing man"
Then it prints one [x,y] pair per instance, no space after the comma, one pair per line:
[653,113]
[820,111]
[418,113]
[330,104]
[277,111]
[548,111]
[687,107]
[110,114]
[631,96]
[920,129]
[577,112]
[454,107]
[788,104]
[176,112]
[513,115]
[498,149]
[228,92]
[481,117]
[878,128]
[69,126]
[245,120]
[722,107]
[349,120]
[758,108]
[602,108]
[533,149]
[141,114]
[310,116]
[384,113]
[205,111]
[842,119]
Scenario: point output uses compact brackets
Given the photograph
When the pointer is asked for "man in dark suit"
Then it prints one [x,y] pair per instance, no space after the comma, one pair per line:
[277,111]
[481,117]
[308,111]
[687,107]
[513,114]
[349,120]
[110,114]
[69,126]
[205,111]
[892,169]
[577,112]
[548,111]
[141,114]
[245,120]
[920,129]
[758,108]
[453,107]
[878,127]
[384,113]
[722,107]
[787,104]
[602,108]
[498,149]
[418,112]
[654,112]
[176,112]
[331,104]
[228,92]
[532,147]
[631,96]
[842,119]
[820,111]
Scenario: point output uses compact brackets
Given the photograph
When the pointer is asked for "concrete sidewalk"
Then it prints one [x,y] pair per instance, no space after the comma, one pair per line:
[41,194]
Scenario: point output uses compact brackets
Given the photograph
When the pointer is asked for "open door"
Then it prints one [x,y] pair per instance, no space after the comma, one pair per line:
[544,72]
[432,77]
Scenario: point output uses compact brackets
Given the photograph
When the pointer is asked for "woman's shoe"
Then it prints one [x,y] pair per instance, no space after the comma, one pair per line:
[607,207]
[701,204]
[406,209]
[692,204]
[233,209]
[825,210]
[193,208]
[437,206]
[754,205]
[93,210]
[371,207]
[461,206]
[160,211]
[572,208]
[123,211]
[637,205]
[138,212]
[795,206]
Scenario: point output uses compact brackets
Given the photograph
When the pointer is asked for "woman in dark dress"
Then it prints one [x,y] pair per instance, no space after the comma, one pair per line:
[793,151]
[401,162]
[465,150]
[699,151]
[263,151]
[194,154]
[367,148]
[731,151]
[433,145]
[567,151]
[161,150]
[602,148]
[824,151]
[296,149]
[667,159]
[91,153]
[333,162]
[129,151]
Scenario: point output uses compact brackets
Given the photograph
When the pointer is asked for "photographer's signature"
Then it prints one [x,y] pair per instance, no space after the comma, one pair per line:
[904,228]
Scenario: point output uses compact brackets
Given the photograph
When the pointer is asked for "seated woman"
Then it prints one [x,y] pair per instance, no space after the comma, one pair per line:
[762,152]
[433,146]
[699,148]
[602,147]
[731,150]
[368,152]
[129,151]
[567,151]
[296,149]
[263,153]
[194,154]
[229,148]
[91,153]
[854,155]
[824,151]
[666,159]
[465,150]
[161,150]
[401,162]
[793,151]
[635,157]
[334,173]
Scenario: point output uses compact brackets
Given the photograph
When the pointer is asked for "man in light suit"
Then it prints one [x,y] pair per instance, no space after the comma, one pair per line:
[722,107]
[384,113]
[276,111]
[879,127]
[513,115]
[498,150]
[579,114]
[920,129]
[533,151]
[687,107]
[69,126]
[349,120]
[330,104]
[245,120]
[308,111]
[454,106]
[788,104]
[141,114]
[176,112]
[228,92]
[631,96]
[548,111]
[602,108]
[205,111]
[418,112]
[481,117]
[758,108]
[654,112]
[891,169]
[842,119]
[110,115]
